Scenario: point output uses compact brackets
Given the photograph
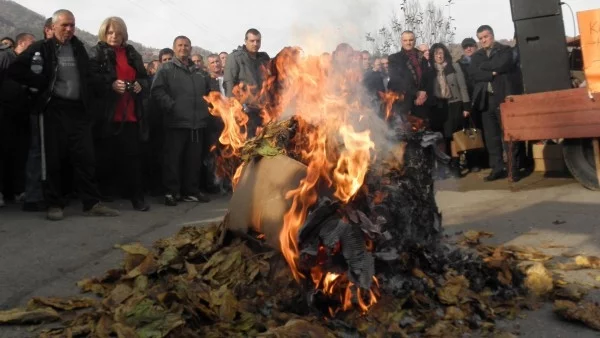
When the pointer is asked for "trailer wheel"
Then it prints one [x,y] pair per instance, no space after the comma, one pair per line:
[579,158]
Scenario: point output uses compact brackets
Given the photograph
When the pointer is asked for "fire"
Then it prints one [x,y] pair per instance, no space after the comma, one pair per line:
[337,146]
[389,98]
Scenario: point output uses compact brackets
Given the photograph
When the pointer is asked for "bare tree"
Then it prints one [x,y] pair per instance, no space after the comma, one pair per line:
[430,24]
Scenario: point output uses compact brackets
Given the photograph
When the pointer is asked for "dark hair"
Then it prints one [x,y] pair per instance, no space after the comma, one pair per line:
[484,28]
[9,39]
[408,32]
[447,55]
[252,31]
[223,53]
[48,23]
[181,37]
[163,52]
[22,36]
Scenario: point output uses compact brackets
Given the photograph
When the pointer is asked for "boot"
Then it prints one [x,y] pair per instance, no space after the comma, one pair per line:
[454,168]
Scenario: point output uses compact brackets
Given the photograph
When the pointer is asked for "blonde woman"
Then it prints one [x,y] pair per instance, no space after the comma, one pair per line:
[120,84]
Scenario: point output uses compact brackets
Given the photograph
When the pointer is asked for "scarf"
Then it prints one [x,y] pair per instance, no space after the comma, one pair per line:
[414,65]
[441,88]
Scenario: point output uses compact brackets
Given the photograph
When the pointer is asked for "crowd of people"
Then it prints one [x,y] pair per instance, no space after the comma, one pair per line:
[101,123]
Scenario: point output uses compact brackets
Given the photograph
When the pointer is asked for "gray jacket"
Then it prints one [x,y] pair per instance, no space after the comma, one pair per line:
[240,67]
[179,91]
[458,87]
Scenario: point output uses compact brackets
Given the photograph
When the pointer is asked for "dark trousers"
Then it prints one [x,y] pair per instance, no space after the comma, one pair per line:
[492,126]
[119,162]
[33,181]
[14,142]
[183,161]
[68,134]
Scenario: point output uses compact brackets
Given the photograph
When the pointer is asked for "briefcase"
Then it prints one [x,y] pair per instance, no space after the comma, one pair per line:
[469,138]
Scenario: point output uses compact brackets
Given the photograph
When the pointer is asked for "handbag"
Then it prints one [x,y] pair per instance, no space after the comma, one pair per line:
[469,138]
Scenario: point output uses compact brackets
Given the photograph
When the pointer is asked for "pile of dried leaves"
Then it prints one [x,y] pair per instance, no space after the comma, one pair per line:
[203,282]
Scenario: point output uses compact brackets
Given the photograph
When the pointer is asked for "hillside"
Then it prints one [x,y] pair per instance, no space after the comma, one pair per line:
[15,19]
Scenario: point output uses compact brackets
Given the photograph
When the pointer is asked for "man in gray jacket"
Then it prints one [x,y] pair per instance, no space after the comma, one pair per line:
[248,66]
[179,89]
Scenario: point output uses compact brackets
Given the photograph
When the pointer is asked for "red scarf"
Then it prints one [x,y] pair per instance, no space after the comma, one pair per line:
[413,57]
[126,104]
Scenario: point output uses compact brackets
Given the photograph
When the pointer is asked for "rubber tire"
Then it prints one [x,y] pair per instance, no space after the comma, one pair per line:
[579,158]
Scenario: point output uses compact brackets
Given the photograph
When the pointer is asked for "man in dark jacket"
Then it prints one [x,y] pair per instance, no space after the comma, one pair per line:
[179,89]
[248,66]
[63,98]
[411,76]
[491,71]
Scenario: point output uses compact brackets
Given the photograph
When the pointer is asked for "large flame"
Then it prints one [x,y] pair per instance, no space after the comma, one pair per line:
[327,95]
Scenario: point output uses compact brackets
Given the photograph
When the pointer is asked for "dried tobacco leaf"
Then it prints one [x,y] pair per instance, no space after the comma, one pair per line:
[454,289]
[297,328]
[586,313]
[62,304]
[539,280]
[472,237]
[26,316]
[588,262]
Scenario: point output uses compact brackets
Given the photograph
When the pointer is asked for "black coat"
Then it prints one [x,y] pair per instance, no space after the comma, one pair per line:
[482,66]
[103,73]
[20,70]
[404,82]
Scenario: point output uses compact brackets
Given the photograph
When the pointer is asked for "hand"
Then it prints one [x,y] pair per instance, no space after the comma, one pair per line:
[421,98]
[466,114]
[119,86]
[137,87]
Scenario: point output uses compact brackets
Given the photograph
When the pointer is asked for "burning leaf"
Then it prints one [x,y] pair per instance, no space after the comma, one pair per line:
[451,292]
[472,237]
[25,316]
[539,279]
[63,304]
[586,313]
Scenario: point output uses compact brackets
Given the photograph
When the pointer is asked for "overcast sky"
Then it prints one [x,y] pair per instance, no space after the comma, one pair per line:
[315,24]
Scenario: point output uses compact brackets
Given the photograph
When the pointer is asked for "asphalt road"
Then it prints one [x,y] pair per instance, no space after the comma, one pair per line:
[41,258]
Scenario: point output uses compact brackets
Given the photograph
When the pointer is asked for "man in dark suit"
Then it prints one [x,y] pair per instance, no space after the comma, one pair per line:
[411,77]
[492,73]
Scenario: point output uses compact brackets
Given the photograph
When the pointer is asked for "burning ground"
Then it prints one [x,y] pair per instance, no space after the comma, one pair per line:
[357,250]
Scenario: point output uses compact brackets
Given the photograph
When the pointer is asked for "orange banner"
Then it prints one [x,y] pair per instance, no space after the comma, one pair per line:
[589,28]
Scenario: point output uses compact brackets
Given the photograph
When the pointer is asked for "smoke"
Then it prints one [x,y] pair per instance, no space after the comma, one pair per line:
[320,25]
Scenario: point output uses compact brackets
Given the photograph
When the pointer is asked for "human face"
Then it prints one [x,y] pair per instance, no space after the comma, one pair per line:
[182,49]
[64,28]
[197,60]
[214,65]
[114,37]
[408,41]
[377,65]
[253,42]
[48,33]
[486,39]
[384,64]
[166,58]
[438,56]
[223,58]
[469,50]
[365,60]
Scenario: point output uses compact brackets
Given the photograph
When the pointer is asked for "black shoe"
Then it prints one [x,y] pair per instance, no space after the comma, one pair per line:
[34,206]
[495,175]
[515,177]
[475,170]
[140,205]
[170,200]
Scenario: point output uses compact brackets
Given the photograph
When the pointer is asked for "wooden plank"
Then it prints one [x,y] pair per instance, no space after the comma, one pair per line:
[551,115]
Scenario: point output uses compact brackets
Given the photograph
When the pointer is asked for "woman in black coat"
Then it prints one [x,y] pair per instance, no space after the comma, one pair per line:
[120,85]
